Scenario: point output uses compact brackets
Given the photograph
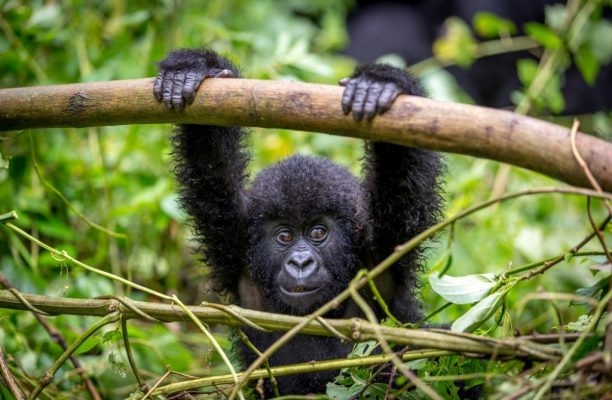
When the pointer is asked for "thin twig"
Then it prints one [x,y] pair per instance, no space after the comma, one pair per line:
[129,303]
[47,377]
[245,339]
[554,261]
[397,363]
[597,231]
[570,353]
[128,350]
[64,255]
[597,186]
[233,313]
[7,377]
[212,341]
[332,330]
[67,202]
[19,296]
[157,383]
[9,216]
[54,334]
[300,368]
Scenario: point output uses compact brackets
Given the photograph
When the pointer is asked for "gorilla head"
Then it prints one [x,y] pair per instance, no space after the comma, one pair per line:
[307,224]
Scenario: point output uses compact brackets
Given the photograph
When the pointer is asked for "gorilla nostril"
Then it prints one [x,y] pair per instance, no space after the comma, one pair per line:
[301,265]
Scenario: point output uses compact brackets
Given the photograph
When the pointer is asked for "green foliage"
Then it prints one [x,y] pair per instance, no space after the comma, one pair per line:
[120,178]
[543,35]
[479,313]
[490,26]
[462,289]
[457,45]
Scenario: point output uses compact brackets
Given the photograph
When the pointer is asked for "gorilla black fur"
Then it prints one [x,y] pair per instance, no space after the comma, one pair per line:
[294,238]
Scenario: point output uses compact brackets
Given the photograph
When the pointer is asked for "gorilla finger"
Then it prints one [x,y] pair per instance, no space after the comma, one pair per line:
[347,96]
[388,95]
[371,101]
[178,81]
[157,86]
[343,81]
[192,83]
[361,93]
[224,73]
[167,89]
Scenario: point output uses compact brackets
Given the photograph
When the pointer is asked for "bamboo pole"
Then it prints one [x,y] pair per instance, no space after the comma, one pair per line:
[412,121]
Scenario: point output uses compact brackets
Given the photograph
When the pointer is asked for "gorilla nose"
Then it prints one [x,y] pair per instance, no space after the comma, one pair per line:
[301,264]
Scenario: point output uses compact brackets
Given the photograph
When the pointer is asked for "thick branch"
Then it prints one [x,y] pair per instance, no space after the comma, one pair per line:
[412,121]
[355,329]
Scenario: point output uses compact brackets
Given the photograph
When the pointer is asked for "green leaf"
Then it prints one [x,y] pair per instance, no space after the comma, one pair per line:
[479,314]
[465,289]
[457,45]
[599,41]
[543,35]
[579,325]
[363,349]
[587,64]
[393,59]
[46,17]
[89,344]
[591,291]
[556,17]
[335,391]
[117,364]
[170,206]
[527,70]
[489,25]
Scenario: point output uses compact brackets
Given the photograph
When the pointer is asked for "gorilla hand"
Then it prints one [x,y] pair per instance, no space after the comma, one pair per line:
[182,72]
[372,89]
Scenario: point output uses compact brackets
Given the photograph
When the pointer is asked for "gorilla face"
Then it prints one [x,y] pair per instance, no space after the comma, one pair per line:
[301,266]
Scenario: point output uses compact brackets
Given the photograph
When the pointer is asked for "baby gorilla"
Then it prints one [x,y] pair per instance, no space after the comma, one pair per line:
[295,237]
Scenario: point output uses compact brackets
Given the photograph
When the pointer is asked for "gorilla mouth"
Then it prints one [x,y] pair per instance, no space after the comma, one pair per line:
[299,290]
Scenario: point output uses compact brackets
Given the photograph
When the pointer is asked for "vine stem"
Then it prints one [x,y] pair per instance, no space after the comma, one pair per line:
[568,356]
[47,377]
[63,254]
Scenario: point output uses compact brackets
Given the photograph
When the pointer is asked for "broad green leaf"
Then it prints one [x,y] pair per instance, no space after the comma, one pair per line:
[604,266]
[363,349]
[527,70]
[599,41]
[479,314]
[553,96]
[465,289]
[89,344]
[556,17]
[457,45]
[170,206]
[117,364]
[592,291]
[579,325]
[489,25]
[543,35]
[335,391]
[587,64]
[393,59]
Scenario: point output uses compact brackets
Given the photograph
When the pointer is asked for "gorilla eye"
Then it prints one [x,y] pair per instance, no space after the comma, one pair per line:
[285,236]
[318,233]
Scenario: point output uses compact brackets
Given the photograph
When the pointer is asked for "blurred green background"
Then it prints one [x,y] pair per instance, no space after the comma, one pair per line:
[120,177]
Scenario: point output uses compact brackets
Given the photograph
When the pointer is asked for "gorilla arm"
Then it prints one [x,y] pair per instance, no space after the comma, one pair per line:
[210,164]
[401,182]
